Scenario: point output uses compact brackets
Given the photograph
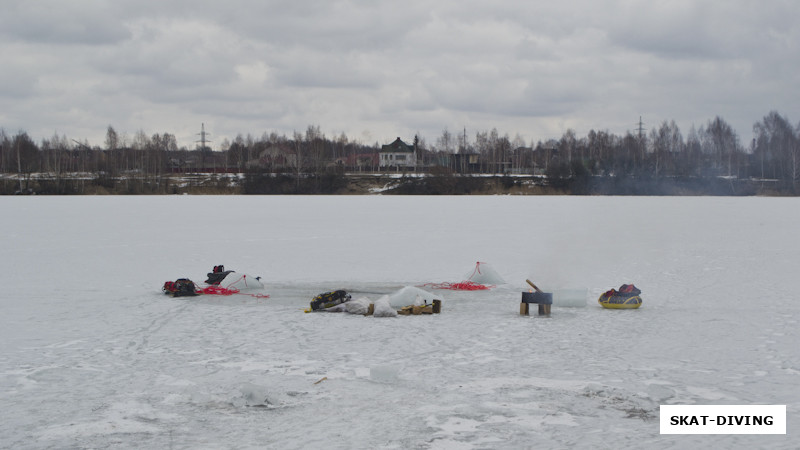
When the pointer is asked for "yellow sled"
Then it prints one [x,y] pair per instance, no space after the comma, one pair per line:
[620,302]
[627,297]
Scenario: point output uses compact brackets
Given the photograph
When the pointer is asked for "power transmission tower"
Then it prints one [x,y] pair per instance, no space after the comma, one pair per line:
[203,136]
[640,128]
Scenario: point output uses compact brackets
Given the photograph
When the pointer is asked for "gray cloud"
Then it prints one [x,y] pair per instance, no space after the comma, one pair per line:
[376,70]
[61,23]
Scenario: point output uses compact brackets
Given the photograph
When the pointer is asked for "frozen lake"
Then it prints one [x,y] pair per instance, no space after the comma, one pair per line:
[95,356]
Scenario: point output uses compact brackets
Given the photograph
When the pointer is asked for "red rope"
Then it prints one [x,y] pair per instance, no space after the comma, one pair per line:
[460,286]
[218,290]
[477,269]
[466,285]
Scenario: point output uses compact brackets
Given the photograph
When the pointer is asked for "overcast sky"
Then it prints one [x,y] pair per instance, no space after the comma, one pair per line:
[376,70]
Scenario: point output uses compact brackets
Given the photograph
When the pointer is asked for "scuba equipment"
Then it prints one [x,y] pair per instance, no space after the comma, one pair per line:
[182,287]
[217,274]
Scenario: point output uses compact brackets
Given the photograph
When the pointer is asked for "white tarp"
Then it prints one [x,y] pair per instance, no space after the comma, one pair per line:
[411,296]
[241,281]
[484,273]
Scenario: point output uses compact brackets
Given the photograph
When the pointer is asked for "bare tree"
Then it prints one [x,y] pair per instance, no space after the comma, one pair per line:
[54,151]
[315,141]
[777,147]
[658,138]
[5,152]
[482,145]
[795,158]
[667,143]
[340,150]
[721,141]
[630,159]
[568,144]
[27,158]
[297,147]
[690,162]
[112,139]
[237,153]
[501,149]
[444,143]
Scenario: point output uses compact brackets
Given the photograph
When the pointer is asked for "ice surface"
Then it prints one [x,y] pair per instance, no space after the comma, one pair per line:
[570,298]
[98,357]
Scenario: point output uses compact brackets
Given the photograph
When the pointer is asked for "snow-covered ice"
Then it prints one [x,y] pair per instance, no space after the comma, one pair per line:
[93,355]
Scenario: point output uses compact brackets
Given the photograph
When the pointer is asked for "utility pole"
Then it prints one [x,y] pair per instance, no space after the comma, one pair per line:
[640,129]
[19,167]
[464,152]
[203,135]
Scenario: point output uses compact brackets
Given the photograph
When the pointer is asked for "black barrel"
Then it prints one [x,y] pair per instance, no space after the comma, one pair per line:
[541,298]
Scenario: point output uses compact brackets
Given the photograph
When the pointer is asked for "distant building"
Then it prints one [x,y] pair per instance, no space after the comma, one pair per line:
[274,157]
[397,154]
[467,162]
[360,161]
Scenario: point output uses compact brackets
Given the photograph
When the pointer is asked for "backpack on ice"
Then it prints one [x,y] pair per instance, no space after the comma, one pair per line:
[627,297]
[182,287]
[329,300]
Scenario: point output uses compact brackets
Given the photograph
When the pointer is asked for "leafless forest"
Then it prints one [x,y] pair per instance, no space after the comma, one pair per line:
[665,160]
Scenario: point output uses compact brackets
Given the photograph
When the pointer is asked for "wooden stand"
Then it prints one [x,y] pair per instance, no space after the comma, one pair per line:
[543,299]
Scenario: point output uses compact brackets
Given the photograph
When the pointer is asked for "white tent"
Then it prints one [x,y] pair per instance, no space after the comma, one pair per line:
[484,273]
[241,282]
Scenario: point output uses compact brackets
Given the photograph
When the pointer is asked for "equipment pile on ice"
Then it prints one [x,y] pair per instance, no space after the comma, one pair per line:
[409,300]
[219,282]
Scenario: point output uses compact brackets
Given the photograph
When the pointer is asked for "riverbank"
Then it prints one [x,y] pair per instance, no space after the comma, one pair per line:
[384,184]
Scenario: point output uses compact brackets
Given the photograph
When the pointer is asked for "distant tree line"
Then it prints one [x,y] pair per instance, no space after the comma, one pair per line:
[311,162]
